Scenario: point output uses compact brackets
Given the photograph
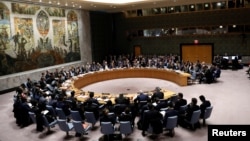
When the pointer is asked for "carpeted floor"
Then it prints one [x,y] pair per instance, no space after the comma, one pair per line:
[229,96]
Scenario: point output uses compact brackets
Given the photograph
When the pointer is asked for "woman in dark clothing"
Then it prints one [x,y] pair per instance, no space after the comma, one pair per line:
[106,117]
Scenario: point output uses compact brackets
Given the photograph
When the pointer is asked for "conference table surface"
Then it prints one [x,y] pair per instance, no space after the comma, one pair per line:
[82,80]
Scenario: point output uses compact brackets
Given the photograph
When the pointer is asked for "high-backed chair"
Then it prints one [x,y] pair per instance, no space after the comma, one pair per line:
[52,110]
[171,124]
[90,118]
[194,119]
[80,128]
[125,127]
[183,109]
[75,115]
[49,124]
[107,129]
[142,103]
[65,126]
[207,114]
[119,108]
[32,116]
[60,113]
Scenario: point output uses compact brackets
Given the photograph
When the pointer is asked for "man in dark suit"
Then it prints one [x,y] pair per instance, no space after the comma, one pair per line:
[189,112]
[161,104]
[169,113]
[191,108]
[158,94]
[180,102]
[205,103]
[63,105]
[141,97]
[153,118]
[92,99]
[127,116]
[122,100]
[141,100]
[90,107]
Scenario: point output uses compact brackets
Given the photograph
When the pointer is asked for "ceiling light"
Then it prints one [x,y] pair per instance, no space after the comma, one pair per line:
[116,1]
[218,4]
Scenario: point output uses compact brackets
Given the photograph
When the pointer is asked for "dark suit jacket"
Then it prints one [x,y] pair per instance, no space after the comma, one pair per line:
[92,108]
[190,111]
[122,100]
[126,117]
[65,107]
[107,118]
[203,107]
[179,103]
[141,97]
[153,118]
[159,95]
[161,104]
[93,100]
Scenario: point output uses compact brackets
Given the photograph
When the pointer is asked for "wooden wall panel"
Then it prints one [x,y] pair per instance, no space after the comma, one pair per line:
[194,52]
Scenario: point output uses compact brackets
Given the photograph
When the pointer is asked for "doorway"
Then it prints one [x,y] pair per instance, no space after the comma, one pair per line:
[137,50]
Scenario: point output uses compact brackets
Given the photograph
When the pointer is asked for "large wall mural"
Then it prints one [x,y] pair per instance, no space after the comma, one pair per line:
[18,8]
[34,37]
[73,37]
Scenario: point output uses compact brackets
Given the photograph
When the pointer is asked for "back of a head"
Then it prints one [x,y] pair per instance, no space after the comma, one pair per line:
[109,103]
[91,94]
[202,97]
[158,89]
[121,95]
[194,101]
[180,95]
